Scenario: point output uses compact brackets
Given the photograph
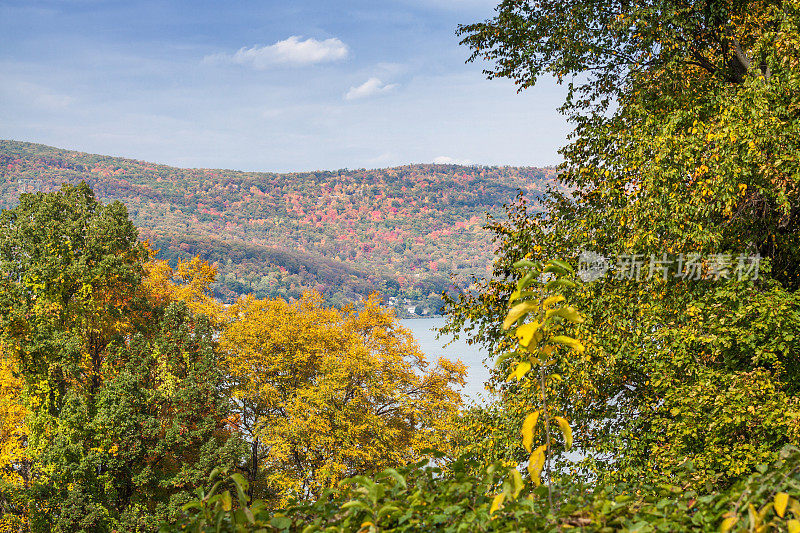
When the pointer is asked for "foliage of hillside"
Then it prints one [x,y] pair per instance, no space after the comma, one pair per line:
[402,231]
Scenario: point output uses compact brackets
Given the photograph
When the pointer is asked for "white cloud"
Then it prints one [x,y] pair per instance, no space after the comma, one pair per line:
[291,51]
[371,87]
[445,160]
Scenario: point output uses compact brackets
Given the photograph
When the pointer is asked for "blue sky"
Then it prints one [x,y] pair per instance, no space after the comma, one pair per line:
[266,85]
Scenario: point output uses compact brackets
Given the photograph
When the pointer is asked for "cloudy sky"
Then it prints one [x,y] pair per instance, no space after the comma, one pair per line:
[266,85]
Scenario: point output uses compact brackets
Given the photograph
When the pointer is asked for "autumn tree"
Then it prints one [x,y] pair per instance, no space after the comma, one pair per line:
[113,407]
[190,282]
[684,146]
[323,393]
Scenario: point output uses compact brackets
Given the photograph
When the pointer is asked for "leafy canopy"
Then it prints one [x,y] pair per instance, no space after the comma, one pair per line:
[685,142]
[324,394]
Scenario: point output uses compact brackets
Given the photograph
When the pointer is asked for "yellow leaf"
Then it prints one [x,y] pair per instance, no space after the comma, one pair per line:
[762,513]
[226,501]
[517,312]
[497,502]
[516,480]
[547,351]
[329,348]
[569,341]
[794,505]
[536,463]
[728,523]
[527,333]
[753,515]
[552,300]
[569,313]
[566,430]
[527,429]
[793,525]
[781,500]
[520,371]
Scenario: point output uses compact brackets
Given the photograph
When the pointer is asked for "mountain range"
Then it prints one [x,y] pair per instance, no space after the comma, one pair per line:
[408,232]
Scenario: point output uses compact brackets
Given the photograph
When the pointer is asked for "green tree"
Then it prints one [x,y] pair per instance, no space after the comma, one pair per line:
[157,429]
[71,268]
[117,399]
[685,142]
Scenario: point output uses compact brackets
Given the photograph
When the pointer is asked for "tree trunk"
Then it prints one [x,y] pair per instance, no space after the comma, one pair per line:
[253,467]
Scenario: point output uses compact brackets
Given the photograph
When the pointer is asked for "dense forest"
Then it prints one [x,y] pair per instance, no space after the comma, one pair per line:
[410,232]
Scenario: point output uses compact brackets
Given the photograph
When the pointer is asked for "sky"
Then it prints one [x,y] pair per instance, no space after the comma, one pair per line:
[266,85]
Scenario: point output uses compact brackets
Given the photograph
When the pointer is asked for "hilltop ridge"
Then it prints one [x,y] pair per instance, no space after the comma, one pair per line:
[403,231]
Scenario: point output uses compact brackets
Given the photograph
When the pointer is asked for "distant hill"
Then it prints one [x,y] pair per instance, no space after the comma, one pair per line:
[403,231]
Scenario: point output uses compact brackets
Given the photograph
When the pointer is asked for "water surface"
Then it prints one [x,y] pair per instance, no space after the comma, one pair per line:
[433,348]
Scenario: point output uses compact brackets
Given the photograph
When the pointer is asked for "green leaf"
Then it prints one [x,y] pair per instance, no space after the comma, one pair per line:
[355,504]
[517,294]
[214,488]
[394,474]
[281,522]
[555,269]
[385,510]
[558,283]
[503,357]
[249,514]
[524,263]
[241,487]
[526,280]
[562,264]
[194,504]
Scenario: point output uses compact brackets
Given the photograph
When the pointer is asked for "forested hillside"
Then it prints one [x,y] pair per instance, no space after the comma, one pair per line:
[402,231]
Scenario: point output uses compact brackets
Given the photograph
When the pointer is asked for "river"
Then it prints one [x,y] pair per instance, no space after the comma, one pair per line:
[433,348]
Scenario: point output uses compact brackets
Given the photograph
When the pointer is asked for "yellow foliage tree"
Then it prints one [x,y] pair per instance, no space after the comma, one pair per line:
[324,394]
[190,282]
